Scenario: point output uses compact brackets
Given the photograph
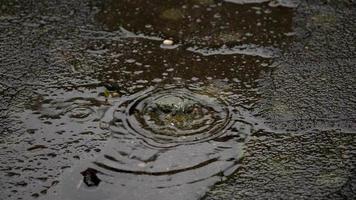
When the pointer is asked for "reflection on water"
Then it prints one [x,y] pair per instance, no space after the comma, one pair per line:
[201,22]
[180,117]
[150,157]
[134,64]
[174,115]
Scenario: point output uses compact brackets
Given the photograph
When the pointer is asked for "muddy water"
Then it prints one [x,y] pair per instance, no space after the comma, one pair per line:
[200,22]
[220,51]
[150,157]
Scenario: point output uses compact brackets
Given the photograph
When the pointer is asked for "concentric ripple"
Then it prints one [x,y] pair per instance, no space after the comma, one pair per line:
[174,115]
[166,140]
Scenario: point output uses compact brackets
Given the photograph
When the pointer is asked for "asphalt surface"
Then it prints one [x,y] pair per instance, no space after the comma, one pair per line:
[306,97]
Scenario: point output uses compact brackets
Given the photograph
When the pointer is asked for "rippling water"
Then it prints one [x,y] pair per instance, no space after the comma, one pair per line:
[171,154]
[207,119]
[149,155]
[94,106]
[177,119]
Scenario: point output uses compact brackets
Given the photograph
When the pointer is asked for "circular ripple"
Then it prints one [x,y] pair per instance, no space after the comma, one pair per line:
[174,115]
[167,140]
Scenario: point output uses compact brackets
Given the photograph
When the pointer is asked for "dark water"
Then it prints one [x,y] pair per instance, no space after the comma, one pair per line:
[220,51]
[254,100]
[200,22]
[147,158]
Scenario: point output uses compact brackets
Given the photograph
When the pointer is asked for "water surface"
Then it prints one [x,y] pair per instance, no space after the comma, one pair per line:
[221,49]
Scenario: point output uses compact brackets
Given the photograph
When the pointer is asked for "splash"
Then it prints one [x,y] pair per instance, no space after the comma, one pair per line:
[165,149]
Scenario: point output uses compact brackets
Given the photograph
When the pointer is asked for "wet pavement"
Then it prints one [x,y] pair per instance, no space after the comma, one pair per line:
[254,100]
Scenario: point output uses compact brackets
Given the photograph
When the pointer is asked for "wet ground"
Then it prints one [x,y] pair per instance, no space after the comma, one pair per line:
[254,100]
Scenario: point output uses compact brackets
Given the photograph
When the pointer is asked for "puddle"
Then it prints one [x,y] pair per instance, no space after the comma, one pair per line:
[202,22]
[158,123]
[152,149]
[177,149]
[183,115]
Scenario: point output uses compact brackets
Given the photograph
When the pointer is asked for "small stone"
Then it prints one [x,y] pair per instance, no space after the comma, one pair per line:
[90,178]
[168,42]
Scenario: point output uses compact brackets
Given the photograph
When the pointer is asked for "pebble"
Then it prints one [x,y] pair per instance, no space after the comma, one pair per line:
[168,42]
